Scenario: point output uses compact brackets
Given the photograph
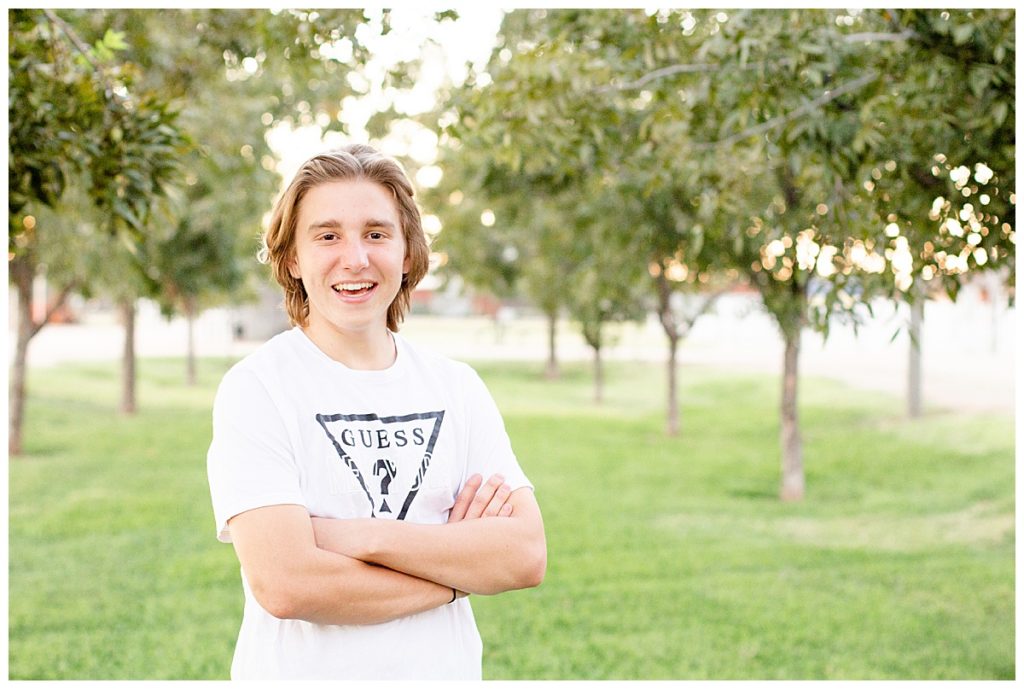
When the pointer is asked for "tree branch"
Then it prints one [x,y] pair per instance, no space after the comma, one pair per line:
[72,36]
[869,37]
[86,52]
[678,69]
[665,314]
[821,100]
[59,302]
[707,302]
[894,18]
[657,74]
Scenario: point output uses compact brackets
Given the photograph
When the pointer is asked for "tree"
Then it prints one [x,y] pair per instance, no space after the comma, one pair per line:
[807,114]
[943,195]
[758,142]
[475,246]
[680,234]
[233,74]
[230,74]
[502,238]
[551,112]
[607,283]
[73,112]
[197,267]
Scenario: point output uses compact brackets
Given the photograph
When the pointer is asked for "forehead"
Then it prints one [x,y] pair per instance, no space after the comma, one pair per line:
[347,201]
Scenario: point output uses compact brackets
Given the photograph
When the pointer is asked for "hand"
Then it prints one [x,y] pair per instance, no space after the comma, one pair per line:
[486,500]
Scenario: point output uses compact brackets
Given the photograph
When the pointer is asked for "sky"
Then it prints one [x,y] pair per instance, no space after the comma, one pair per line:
[468,39]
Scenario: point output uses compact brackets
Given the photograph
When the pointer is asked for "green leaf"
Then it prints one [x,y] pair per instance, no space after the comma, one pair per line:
[123,211]
[101,52]
[114,40]
[962,33]
[999,112]
[980,78]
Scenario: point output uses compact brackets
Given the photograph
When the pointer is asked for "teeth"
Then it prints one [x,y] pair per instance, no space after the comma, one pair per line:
[352,286]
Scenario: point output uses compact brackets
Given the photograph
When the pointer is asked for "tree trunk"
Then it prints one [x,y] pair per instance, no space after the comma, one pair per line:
[22,274]
[128,358]
[914,363]
[190,354]
[598,376]
[22,270]
[672,415]
[552,371]
[671,328]
[792,450]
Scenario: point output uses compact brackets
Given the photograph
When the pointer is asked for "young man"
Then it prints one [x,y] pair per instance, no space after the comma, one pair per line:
[347,465]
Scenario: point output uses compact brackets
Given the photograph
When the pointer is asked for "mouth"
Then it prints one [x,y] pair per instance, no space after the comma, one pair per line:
[354,289]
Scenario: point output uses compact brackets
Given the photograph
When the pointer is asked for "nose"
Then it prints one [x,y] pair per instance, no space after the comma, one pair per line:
[353,256]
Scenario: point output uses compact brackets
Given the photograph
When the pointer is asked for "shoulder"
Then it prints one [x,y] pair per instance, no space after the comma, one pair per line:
[456,378]
[426,359]
[284,345]
[259,370]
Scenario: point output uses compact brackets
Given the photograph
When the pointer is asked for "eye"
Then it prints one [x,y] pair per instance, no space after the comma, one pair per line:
[376,235]
[328,236]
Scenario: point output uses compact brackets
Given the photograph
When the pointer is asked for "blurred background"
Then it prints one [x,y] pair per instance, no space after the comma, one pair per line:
[742,282]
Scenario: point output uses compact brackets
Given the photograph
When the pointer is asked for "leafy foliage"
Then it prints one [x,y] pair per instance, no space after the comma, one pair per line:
[75,111]
[827,156]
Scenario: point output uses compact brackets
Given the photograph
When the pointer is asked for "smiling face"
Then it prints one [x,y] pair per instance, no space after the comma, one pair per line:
[350,255]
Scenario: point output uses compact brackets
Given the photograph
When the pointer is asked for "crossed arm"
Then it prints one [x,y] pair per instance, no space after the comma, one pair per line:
[366,571]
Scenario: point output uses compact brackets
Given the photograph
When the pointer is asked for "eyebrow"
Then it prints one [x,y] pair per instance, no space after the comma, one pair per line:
[336,224]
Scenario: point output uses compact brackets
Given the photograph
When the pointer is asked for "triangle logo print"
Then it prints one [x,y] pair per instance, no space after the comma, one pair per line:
[388,456]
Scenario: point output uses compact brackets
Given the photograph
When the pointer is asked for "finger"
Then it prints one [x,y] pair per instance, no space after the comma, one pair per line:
[458,511]
[484,495]
[498,501]
[506,510]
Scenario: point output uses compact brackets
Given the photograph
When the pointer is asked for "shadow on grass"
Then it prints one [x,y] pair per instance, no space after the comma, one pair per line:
[755,494]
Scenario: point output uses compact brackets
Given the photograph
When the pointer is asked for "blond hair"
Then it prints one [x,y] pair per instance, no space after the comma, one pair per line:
[352,162]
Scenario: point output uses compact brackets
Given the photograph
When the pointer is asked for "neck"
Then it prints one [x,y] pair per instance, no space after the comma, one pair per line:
[363,351]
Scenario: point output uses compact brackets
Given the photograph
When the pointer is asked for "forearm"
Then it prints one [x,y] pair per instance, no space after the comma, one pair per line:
[293,579]
[336,589]
[483,556]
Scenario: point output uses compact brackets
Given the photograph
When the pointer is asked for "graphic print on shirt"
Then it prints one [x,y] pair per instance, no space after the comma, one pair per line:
[387,455]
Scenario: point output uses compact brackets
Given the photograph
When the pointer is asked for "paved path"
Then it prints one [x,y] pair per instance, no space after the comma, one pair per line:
[968,348]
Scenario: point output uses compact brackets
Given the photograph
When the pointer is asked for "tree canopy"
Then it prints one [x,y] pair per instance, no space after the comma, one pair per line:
[826,156]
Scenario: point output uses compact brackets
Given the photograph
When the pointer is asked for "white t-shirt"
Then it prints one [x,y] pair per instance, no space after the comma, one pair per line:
[293,426]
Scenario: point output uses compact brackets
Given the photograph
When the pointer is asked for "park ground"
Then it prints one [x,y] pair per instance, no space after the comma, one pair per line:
[669,558]
[968,347]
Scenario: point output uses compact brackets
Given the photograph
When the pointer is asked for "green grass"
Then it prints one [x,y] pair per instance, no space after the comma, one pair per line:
[668,558]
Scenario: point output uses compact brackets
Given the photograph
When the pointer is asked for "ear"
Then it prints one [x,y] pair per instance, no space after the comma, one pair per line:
[405,264]
[293,267]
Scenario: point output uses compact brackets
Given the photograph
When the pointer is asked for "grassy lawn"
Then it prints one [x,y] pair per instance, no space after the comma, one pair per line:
[668,558]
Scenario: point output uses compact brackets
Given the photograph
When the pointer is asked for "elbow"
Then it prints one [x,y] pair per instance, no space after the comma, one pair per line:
[535,565]
[527,572]
[281,607]
[277,600]
[540,568]
[533,561]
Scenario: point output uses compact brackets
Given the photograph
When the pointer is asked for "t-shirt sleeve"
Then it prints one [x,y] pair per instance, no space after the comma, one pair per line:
[490,450]
[250,462]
